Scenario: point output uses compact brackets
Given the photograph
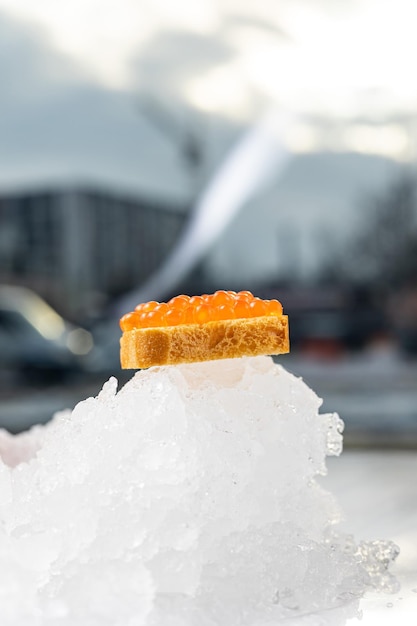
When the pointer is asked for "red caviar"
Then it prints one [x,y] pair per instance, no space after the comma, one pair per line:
[221,305]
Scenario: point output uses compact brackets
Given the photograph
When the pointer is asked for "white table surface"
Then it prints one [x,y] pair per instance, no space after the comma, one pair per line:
[378,493]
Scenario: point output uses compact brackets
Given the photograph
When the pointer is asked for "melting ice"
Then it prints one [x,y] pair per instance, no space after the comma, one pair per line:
[187,498]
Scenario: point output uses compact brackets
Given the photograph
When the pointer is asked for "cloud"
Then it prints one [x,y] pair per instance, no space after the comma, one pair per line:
[30,69]
[56,124]
[172,58]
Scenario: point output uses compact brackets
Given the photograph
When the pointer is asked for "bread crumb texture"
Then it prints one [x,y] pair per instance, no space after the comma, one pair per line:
[189,343]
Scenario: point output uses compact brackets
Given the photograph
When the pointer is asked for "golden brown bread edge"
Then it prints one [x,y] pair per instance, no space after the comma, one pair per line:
[191,343]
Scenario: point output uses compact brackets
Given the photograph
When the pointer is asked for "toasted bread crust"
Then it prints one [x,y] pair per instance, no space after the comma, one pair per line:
[189,343]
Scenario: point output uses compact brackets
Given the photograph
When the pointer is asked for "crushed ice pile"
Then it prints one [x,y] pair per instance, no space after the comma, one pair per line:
[187,498]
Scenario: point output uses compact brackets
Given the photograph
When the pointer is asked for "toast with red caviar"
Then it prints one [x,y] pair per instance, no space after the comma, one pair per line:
[222,325]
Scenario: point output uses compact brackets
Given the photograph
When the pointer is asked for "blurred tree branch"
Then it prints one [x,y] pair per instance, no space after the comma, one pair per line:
[383,254]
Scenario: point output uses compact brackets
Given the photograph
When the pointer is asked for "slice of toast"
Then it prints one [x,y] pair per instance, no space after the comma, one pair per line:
[189,343]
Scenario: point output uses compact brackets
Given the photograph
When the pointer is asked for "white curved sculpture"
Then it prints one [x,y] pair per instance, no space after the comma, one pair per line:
[261,152]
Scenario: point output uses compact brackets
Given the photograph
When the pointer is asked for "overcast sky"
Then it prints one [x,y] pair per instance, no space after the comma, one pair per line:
[330,47]
[72,73]
[79,78]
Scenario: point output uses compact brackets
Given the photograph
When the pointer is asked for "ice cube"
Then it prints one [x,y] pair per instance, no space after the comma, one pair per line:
[188,497]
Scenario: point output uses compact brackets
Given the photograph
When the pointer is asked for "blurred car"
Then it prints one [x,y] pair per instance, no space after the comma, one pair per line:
[35,339]
[320,332]
[332,332]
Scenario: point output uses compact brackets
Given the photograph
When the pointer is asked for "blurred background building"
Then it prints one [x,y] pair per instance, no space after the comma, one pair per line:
[116,116]
[79,248]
